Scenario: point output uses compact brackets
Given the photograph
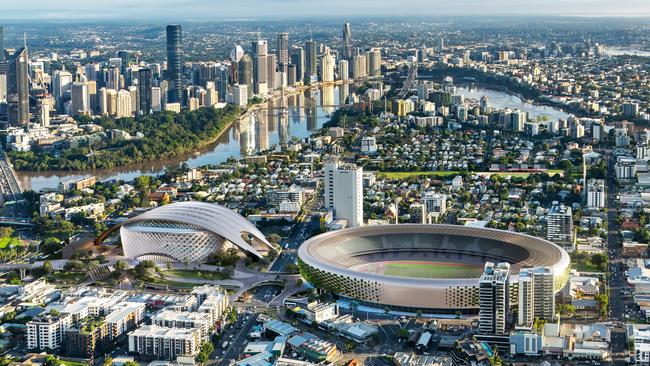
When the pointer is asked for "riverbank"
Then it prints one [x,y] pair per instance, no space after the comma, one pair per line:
[161,135]
[255,131]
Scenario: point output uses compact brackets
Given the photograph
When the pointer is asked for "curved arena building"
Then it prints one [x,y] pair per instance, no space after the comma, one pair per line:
[189,232]
[414,267]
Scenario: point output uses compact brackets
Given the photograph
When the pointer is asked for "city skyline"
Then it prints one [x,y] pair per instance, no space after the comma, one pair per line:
[199,10]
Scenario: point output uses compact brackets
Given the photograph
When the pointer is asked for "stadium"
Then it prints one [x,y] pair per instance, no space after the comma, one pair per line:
[413,267]
[189,232]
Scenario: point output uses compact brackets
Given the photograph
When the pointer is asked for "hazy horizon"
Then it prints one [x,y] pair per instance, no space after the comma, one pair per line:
[80,10]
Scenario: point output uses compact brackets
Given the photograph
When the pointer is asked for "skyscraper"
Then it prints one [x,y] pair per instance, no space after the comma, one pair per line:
[344,192]
[310,60]
[245,71]
[283,48]
[327,68]
[79,101]
[18,88]
[494,298]
[559,226]
[347,41]
[260,66]
[536,296]
[298,59]
[175,63]
[62,83]
[144,91]
[373,58]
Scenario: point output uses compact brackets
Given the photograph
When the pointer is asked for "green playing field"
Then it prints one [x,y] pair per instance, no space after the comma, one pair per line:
[418,269]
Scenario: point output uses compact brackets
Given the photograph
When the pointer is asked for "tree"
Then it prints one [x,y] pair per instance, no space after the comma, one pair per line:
[600,260]
[274,238]
[47,267]
[108,361]
[121,265]
[299,282]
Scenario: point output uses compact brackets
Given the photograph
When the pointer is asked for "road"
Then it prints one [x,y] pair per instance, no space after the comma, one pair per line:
[12,192]
[413,68]
[301,232]
[615,274]
[239,331]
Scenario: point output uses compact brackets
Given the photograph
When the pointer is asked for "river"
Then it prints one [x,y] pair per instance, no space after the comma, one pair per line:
[306,113]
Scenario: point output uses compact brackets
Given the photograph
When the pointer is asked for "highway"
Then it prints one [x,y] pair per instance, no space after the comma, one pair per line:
[408,83]
[12,192]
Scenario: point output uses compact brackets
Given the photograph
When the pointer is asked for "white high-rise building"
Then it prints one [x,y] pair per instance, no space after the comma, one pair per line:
[559,226]
[344,192]
[494,289]
[435,204]
[359,67]
[47,332]
[124,104]
[344,70]
[327,68]
[62,82]
[373,58]
[596,193]
[211,95]
[536,296]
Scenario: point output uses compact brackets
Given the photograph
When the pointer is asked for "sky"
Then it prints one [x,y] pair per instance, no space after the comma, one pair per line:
[238,9]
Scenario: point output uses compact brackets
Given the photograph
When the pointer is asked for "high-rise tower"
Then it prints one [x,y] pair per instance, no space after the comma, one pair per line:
[283,48]
[144,91]
[175,63]
[18,88]
[347,41]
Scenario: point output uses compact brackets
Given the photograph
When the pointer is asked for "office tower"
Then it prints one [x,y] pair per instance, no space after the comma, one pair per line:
[79,99]
[359,67]
[298,60]
[223,81]
[422,54]
[536,296]
[596,193]
[112,78]
[245,71]
[373,58]
[236,53]
[283,48]
[344,192]
[347,41]
[91,85]
[62,83]
[559,226]
[327,68]
[291,75]
[175,63]
[125,60]
[124,107]
[144,91]
[18,88]
[494,298]
[260,66]
[91,70]
[344,70]
[270,72]
[310,61]
[156,99]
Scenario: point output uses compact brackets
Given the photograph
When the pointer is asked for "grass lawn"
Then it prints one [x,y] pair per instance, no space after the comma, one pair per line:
[404,175]
[176,284]
[449,173]
[9,240]
[206,275]
[585,267]
[431,270]
[69,276]
[71,363]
